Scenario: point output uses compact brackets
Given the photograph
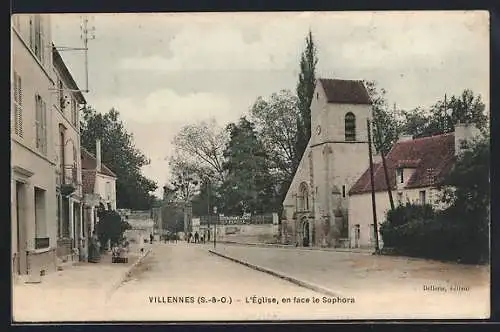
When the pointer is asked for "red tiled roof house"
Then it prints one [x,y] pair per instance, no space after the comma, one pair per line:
[415,168]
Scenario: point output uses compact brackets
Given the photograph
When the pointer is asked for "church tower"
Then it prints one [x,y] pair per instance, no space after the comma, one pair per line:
[337,153]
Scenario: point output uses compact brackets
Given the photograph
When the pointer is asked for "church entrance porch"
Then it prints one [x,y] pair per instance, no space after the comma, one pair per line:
[304,233]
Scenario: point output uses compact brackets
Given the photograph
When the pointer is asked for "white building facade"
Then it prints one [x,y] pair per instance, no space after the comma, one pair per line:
[315,207]
[329,202]
[33,191]
[99,187]
[67,104]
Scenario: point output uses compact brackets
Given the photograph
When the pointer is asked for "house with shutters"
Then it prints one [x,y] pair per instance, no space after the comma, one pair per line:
[328,203]
[33,190]
[67,103]
[99,187]
[415,167]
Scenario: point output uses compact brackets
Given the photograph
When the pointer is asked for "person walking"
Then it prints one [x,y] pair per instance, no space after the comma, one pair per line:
[151,238]
[196,237]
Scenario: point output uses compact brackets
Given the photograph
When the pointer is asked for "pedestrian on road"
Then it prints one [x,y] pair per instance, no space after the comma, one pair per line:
[151,238]
[196,237]
[203,239]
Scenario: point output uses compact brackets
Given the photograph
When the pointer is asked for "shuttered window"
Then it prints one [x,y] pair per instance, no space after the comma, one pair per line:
[350,127]
[37,38]
[41,124]
[18,105]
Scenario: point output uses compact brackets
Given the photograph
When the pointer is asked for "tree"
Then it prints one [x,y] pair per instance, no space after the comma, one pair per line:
[111,227]
[276,119]
[248,186]
[466,108]
[120,155]
[201,145]
[185,183]
[385,119]
[305,92]
[470,180]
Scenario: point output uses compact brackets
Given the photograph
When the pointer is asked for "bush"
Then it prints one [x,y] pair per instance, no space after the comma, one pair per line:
[419,231]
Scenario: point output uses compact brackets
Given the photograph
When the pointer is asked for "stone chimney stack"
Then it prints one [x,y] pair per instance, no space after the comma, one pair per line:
[98,155]
[404,138]
[465,133]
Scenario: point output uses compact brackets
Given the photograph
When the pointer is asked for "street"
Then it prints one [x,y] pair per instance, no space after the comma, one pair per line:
[185,282]
[188,270]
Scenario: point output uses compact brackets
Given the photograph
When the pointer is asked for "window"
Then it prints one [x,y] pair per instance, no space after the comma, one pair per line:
[350,127]
[18,105]
[400,175]
[422,197]
[108,190]
[17,22]
[41,124]
[41,239]
[74,112]
[400,198]
[304,198]
[60,94]
[37,41]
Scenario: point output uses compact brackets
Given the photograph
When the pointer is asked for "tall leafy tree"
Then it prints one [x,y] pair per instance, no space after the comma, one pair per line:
[276,119]
[201,145]
[133,190]
[387,125]
[305,92]
[445,114]
[248,186]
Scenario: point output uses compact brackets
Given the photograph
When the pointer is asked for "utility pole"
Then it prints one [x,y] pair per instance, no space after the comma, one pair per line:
[208,207]
[86,33]
[382,154]
[374,209]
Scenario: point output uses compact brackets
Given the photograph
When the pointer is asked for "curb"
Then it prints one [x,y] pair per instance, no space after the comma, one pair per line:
[287,246]
[127,273]
[281,275]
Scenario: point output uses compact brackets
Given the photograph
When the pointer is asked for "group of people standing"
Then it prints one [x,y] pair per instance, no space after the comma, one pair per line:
[197,238]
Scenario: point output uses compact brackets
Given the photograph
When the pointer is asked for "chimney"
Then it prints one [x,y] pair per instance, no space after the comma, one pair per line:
[98,155]
[404,138]
[464,133]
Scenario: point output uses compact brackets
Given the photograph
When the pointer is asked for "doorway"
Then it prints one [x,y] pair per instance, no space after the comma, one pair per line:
[305,232]
[357,235]
[21,261]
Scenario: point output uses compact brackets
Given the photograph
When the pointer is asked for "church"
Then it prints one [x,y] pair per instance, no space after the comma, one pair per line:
[329,202]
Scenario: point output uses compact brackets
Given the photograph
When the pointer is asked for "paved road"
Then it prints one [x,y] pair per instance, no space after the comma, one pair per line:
[182,270]
[384,286]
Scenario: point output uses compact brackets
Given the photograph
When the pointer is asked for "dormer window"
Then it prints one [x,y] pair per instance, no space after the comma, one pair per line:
[400,175]
[350,127]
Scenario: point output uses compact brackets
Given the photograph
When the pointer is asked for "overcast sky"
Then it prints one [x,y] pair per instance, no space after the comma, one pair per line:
[162,71]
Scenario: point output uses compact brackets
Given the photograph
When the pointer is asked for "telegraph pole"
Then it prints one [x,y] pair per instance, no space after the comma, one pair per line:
[86,33]
[374,209]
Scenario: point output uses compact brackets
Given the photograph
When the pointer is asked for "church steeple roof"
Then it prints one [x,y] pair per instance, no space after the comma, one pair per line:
[345,91]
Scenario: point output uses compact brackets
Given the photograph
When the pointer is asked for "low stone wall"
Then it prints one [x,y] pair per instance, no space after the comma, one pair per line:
[263,233]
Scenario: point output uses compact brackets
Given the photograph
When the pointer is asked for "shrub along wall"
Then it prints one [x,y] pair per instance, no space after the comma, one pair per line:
[416,230]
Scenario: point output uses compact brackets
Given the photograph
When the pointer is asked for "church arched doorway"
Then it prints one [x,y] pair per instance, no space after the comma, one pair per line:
[305,233]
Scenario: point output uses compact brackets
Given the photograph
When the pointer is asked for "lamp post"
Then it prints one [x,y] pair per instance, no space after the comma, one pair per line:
[215,226]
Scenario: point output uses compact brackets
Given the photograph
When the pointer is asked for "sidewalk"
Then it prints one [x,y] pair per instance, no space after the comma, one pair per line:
[387,285]
[290,246]
[81,287]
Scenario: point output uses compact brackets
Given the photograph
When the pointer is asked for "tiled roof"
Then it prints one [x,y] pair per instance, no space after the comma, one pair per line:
[88,179]
[345,91]
[436,153]
[89,162]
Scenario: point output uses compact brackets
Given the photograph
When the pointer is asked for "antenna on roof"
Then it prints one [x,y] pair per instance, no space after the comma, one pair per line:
[87,32]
